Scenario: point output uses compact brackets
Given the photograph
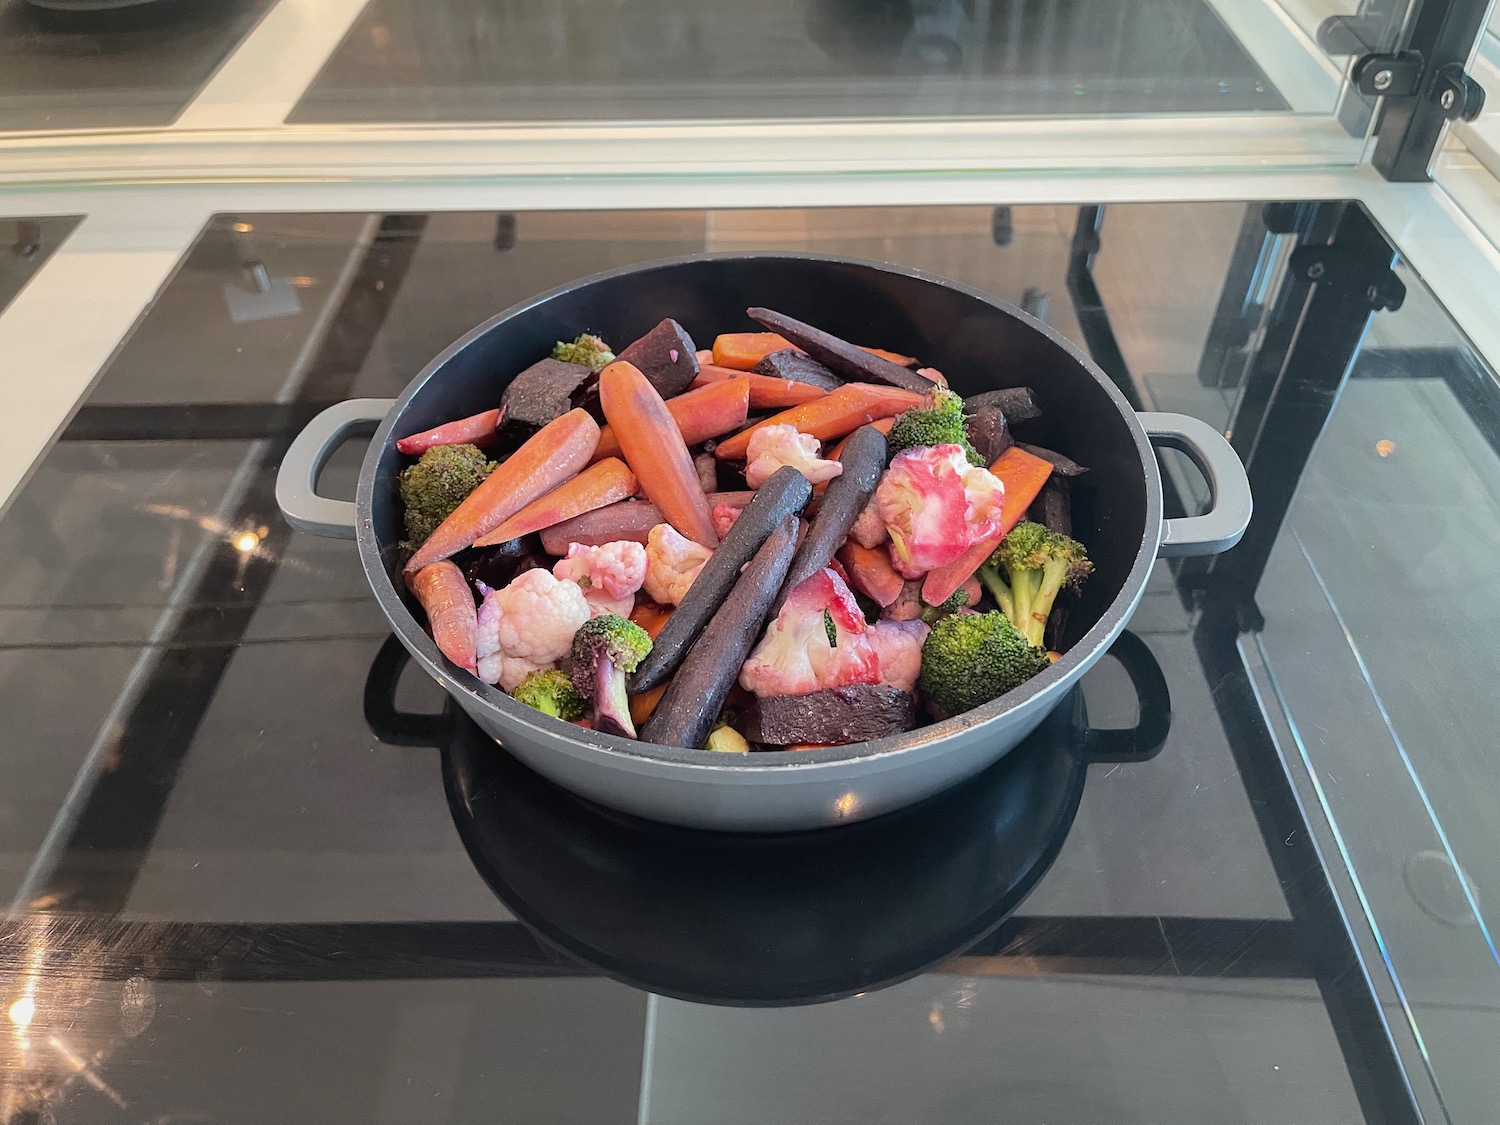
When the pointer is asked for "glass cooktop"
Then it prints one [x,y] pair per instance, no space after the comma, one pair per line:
[1241,876]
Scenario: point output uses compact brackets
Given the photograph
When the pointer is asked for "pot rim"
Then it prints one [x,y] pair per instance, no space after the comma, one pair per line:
[653,757]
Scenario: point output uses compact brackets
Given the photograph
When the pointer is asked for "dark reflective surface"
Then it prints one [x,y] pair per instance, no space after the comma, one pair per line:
[137,65]
[458,60]
[220,873]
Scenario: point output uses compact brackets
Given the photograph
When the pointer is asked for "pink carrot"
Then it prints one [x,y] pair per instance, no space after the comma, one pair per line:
[450,611]
[480,429]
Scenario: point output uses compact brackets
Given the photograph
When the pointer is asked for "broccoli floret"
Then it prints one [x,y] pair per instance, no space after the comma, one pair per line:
[1028,570]
[437,484]
[971,658]
[940,422]
[551,693]
[588,350]
[605,648]
[956,601]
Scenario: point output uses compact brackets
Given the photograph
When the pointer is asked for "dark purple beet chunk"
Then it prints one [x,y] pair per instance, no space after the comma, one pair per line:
[856,713]
[543,392]
[792,364]
[1062,465]
[989,432]
[666,356]
[1018,404]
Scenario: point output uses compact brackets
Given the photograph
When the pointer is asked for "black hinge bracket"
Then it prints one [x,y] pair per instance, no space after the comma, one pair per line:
[1394,75]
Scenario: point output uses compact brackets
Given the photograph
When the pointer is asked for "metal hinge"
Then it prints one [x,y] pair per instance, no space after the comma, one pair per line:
[1399,75]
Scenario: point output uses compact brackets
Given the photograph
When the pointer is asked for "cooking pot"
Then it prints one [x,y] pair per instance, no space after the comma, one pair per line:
[978,342]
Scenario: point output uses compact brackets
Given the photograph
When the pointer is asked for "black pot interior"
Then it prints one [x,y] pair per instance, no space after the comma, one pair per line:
[979,344]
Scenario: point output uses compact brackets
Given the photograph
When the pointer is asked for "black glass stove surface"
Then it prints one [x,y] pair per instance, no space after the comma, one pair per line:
[233,851]
[129,66]
[458,60]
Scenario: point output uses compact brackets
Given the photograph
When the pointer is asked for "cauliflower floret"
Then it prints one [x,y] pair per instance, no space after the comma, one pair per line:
[899,646]
[936,505]
[724,515]
[672,562]
[798,655]
[869,529]
[609,575]
[527,626]
[774,447]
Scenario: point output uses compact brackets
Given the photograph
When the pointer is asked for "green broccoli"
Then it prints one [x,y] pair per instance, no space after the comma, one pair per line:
[604,649]
[437,484]
[1027,572]
[588,350]
[971,658]
[941,422]
[956,601]
[551,693]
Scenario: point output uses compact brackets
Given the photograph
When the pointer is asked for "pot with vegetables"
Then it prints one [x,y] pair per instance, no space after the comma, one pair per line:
[760,541]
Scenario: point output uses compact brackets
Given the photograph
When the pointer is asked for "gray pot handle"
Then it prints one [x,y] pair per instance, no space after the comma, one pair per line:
[297,480]
[1221,526]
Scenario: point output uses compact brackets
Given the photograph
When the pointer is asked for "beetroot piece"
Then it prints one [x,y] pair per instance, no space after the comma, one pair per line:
[666,356]
[799,368]
[989,432]
[855,713]
[1018,404]
[840,356]
[543,392]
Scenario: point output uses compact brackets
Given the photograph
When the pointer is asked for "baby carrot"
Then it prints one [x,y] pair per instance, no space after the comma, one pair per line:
[480,429]
[767,392]
[894,357]
[655,451]
[711,373]
[702,414]
[837,413]
[450,611]
[651,617]
[603,482]
[882,424]
[1023,475]
[870,572]
[549,457]
[743,350]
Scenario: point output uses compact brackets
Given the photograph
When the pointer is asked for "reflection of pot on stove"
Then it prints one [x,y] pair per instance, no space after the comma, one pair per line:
[770,919]
[916,37]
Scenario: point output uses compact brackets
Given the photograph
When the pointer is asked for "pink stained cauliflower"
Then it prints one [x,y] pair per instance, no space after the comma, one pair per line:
[898,644]
[672,562]
[935,506]
[609,575]
[775,447]
[869,529]
[724,516]
[797,655]
[527,626]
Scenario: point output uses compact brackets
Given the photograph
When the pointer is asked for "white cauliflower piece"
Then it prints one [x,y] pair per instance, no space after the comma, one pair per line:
[899,645]
[527,626]
[672,562]
[774,447]
[609,574]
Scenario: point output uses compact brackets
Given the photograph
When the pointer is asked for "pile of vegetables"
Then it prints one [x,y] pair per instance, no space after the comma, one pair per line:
[782,542]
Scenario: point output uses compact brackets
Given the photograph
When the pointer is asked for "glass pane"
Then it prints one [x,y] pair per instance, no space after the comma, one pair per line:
[221,872]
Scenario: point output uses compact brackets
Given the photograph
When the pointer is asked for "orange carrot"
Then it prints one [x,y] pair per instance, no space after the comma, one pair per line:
[601,483]
[655,450]
[837,413]
[710,373]
[450,611]
[743,350]
[1023,475]
[701,414]
[643,706]
[767,392]
[870,571]
[705,355]
[651,617]
[481,429]
[895,357]
[549,457]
